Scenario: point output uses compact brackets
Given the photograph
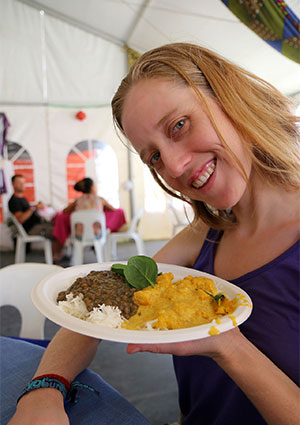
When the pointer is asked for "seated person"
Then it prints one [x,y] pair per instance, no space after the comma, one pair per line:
[29,217]
[88,200]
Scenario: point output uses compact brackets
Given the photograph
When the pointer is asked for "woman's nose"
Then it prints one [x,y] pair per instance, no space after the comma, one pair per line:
[176,161]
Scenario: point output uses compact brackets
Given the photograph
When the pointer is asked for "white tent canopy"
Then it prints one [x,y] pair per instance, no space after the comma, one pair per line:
[92,61]
[59,56]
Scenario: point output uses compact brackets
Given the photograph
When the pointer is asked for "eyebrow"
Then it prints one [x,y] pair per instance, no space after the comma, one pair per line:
[165,117]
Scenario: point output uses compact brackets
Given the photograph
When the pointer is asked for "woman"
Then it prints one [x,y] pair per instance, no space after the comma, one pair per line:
[226,142]
[88,200]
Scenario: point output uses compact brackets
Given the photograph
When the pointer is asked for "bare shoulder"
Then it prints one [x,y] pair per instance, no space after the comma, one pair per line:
[184,248]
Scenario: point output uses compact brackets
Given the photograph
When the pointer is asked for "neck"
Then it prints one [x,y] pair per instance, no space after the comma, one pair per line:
[266,206]
[19,194]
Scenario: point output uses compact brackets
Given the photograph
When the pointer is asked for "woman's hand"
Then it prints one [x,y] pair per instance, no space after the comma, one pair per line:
[43,406]
[213,346]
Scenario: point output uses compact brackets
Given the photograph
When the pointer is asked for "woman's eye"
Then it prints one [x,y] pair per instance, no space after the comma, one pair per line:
[154,158]
[178,126]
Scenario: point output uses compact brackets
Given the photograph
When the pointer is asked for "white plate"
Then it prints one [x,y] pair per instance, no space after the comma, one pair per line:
[44,296]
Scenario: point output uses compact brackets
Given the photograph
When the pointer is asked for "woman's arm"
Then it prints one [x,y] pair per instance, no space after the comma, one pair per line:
[70,208]
[184,248]
[106,205]
[67,355]
[272,392]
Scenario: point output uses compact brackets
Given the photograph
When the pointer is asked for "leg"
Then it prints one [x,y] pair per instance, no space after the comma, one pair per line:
[19,360]
[110,408]
[42,229]
[57,250]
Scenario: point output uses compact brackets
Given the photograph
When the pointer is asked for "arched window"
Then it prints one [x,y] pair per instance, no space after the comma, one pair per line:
[97,160]
[17,160]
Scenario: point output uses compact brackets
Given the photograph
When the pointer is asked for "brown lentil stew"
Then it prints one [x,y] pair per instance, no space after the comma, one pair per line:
[103,287]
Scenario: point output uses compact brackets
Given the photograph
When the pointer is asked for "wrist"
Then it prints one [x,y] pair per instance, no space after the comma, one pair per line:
[49,381]
[42,395]
[229,347]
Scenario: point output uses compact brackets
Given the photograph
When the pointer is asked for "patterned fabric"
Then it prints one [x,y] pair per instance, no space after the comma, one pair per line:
[132,55]
[4,124]
[273,21]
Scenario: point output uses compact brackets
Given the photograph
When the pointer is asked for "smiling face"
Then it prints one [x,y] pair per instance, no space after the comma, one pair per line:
[172,133]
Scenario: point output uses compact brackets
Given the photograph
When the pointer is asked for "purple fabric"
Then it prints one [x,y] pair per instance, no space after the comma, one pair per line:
[207,395]
[4,124]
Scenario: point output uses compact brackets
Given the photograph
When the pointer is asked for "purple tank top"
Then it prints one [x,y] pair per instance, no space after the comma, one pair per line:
[207,396]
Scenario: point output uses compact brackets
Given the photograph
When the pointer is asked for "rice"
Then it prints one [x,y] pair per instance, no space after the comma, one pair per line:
[102,315]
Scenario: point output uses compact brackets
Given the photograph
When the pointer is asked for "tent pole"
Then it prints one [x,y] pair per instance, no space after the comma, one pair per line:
[130,179]
[140,15]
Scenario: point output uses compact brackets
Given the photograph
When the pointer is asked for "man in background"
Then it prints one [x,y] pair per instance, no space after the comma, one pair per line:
[29,217]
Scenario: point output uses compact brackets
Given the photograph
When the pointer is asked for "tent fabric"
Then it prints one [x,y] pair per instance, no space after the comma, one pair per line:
[81,68]
[47,61]
[273,21]
[59,57]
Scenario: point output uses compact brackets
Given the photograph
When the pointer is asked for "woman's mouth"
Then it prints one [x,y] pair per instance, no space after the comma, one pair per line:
[204,175]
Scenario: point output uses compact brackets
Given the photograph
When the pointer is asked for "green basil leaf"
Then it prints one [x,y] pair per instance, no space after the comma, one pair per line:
[118,268]
[141,271]
[217,297]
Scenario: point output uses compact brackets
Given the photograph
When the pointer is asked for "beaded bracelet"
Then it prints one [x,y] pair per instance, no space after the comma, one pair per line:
[68,390]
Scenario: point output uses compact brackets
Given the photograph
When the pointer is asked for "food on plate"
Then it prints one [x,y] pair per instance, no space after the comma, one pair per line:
[102,287]
[105,315]
[107,298]
[187,302]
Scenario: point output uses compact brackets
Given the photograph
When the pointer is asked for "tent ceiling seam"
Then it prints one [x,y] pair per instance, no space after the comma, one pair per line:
[195,15]
[138,18]
[178,12]
[142,17]
[74,22]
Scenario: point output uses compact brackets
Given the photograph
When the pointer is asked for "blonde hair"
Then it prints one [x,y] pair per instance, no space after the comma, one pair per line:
[260,113]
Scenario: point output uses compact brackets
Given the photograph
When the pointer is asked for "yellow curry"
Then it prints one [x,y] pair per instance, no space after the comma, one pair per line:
[181,304]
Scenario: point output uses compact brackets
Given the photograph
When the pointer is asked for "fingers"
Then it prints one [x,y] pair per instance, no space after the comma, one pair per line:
[171,348]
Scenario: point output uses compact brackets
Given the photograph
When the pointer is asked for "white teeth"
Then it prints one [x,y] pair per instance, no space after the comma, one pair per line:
[203,179]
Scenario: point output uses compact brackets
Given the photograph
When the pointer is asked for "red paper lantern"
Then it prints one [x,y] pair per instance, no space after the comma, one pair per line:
[80,115]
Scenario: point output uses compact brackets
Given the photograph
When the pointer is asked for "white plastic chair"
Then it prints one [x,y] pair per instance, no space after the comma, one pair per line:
[178,222]
[88,218]
[23,238]
[132,233]
[16,282]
